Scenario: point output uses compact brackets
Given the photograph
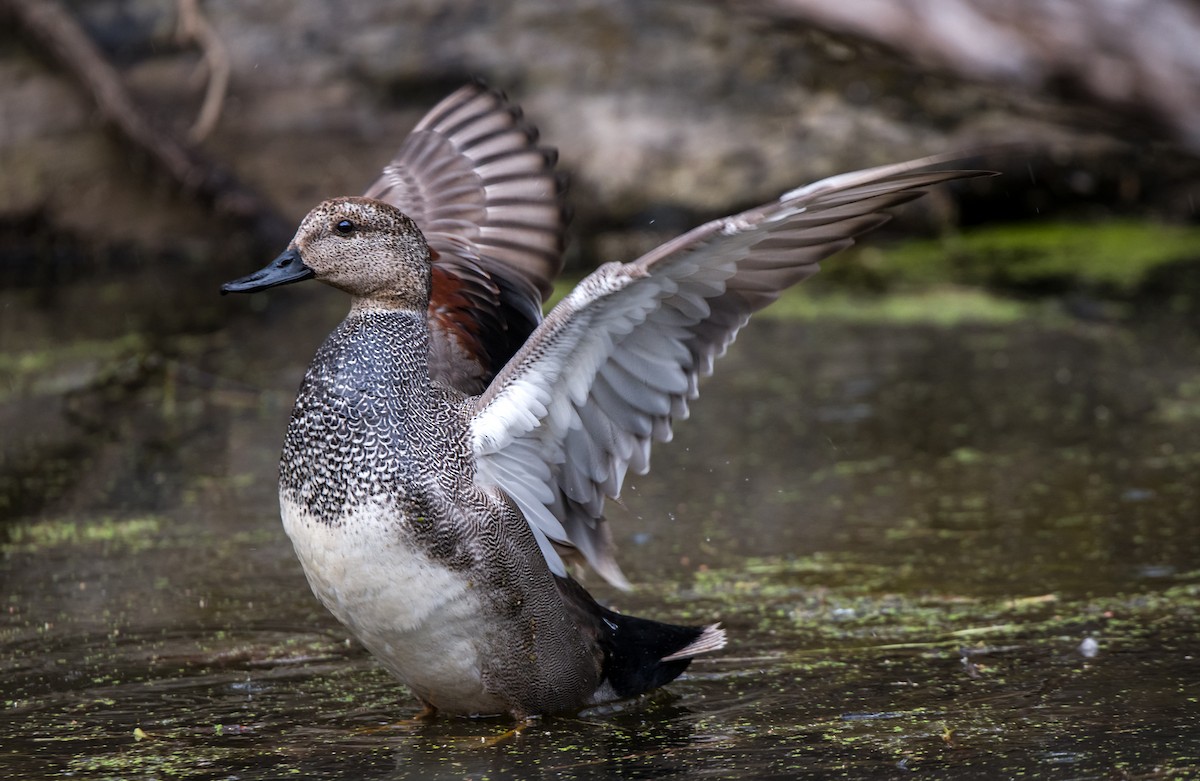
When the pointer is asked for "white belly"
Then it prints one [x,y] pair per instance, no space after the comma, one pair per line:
[423,621]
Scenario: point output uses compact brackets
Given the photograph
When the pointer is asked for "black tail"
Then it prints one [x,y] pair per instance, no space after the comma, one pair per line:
[640,654]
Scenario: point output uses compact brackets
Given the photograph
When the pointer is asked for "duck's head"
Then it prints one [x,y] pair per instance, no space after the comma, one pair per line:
[365,247]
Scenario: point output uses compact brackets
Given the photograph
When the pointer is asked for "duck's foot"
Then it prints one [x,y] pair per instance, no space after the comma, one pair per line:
[523,723]
[428,711]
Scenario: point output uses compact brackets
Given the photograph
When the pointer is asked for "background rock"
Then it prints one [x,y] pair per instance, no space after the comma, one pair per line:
[664,113]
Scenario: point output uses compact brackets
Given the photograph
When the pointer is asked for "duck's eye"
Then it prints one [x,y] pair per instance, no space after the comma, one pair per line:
[344,227]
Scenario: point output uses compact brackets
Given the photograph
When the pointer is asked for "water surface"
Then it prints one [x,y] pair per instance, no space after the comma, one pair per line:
[939,551]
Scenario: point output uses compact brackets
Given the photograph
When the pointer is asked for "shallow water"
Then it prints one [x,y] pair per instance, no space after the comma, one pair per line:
[945,551]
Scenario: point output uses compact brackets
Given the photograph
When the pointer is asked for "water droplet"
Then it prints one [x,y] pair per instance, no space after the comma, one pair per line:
[1089,648]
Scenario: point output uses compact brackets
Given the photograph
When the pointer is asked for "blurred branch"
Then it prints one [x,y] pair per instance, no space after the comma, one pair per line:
[53,28]
[193,26]
[1133,55]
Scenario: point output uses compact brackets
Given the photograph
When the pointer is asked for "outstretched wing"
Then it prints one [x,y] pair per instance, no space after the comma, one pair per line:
[473,178]
[618,360]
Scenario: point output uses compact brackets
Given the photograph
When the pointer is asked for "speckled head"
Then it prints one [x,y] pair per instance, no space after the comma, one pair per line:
[365,247]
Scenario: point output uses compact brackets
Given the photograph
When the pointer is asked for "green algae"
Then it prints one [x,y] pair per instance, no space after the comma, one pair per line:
[1115,256]
[837,595]
[130,534]
[941,305]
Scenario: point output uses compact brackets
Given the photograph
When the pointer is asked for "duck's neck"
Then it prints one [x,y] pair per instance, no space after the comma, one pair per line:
[413,301]
[380,352]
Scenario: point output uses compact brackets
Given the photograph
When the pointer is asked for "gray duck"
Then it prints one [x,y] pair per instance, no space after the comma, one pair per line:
[450,451]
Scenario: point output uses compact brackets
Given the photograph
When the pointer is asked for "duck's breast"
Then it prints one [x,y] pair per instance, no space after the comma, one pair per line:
[422,618]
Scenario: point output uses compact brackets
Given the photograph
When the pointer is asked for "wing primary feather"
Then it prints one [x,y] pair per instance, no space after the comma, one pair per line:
[616,363]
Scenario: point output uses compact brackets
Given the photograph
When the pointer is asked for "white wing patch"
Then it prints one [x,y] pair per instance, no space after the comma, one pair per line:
[519,435]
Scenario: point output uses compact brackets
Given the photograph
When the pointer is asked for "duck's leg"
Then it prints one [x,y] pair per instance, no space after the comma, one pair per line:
[428,711]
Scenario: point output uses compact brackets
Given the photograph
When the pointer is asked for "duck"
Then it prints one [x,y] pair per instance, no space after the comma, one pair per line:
[446,465]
